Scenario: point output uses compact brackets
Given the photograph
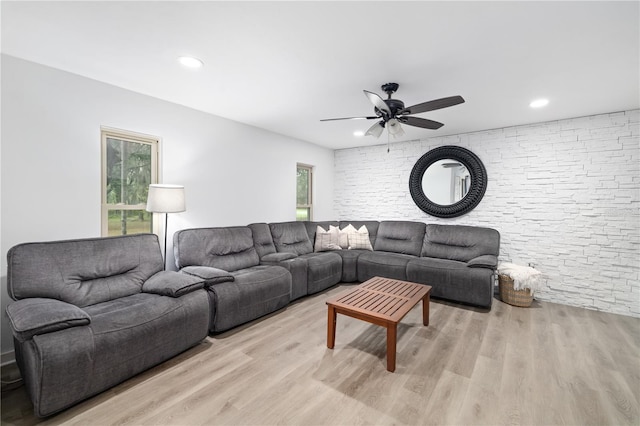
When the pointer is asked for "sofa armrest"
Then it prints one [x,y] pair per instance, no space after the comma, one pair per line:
[277,257]
[34,316]
[209,275]
[172,284]
[488,261]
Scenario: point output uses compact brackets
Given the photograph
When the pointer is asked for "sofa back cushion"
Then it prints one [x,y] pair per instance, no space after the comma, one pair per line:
[312,227]
[459,242]
[291,237]
[372,227]
[400,237]
[262,240]
[83,272]
[230,248]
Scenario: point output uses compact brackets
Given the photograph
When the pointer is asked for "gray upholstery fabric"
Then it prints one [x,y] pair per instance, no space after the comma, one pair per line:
[372,227]
[277,257]
[256,291]
[400,237]
[349,264]
[172,284]
[453,280]
[291,237]
[126,336]
[485,261]
[83,272]
[323,270]
[296,266]
[210,275]
[457,242]
[116,332]
[230,249]
[382,264]
[262,240]
[29,317]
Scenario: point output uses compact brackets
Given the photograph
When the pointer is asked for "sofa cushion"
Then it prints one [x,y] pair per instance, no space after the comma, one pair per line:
[400,237]
[208,274]
[262,240]
[29,317]
[382,264]
[350,264]
[291,237]
[83,272]
[485,261]
[323,270]
[452,279]
[172,284]
[255,291]
[230,248]
[459,242]
[277,257]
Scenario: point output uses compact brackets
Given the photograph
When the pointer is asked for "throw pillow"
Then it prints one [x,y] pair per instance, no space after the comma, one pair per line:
[326,240]
[359,240]
[344,235]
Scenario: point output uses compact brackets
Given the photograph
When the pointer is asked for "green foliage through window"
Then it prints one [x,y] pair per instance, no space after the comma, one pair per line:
[303,192]
[128,170]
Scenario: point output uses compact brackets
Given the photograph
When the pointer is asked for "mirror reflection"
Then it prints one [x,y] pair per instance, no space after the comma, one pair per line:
[446,182]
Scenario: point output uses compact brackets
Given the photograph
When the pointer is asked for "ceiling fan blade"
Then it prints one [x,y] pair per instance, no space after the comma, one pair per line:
[433,105]
[350,118]
[421,122]
[377,101]
[375,130]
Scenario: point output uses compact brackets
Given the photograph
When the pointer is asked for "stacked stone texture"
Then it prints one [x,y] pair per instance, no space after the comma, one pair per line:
[564,195]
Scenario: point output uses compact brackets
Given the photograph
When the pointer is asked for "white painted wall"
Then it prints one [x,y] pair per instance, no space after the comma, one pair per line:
[233,174]
[564,195]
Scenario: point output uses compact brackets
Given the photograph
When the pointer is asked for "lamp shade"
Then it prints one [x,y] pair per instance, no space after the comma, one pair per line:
[166,198]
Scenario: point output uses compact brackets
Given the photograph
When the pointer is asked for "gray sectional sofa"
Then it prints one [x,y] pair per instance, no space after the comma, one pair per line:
[275,263]
[89,314]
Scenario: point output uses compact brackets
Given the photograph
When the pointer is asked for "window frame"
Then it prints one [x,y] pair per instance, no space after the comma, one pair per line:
[309,205]
[134,137]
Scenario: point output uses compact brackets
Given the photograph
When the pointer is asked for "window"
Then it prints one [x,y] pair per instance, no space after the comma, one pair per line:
[304,204]
[129,165]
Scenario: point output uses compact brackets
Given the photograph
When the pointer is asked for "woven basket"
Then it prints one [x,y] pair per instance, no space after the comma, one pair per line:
[522,298]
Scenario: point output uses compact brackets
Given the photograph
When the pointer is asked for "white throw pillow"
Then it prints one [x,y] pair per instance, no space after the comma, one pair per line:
[359,240]
[326,240]
[344,235]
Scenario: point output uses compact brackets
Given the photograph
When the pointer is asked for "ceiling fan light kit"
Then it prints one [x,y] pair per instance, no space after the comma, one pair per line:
[392,112]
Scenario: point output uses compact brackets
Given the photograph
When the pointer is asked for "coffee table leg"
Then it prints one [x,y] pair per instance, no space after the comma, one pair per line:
[331,327]
[425,309]
[392,331]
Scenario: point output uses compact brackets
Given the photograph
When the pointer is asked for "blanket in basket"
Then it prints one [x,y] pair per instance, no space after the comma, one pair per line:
[523,276]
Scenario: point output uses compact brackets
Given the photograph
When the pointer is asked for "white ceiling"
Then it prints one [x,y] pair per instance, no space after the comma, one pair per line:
[283,66]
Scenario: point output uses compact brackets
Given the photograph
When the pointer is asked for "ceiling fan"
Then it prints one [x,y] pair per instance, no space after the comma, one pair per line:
[392,112]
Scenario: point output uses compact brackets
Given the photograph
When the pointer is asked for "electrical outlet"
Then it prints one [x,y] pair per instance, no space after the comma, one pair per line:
[532,265]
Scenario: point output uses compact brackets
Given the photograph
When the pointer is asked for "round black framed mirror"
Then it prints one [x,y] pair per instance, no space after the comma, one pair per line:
[453,171]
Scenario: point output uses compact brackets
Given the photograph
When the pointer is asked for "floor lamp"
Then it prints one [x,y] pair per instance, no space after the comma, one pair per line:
[165,199]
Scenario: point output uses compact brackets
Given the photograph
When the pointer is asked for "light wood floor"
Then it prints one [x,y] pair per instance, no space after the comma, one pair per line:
[546,365]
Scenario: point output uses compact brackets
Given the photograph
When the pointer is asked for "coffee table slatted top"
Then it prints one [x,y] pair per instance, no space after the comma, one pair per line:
[387,299]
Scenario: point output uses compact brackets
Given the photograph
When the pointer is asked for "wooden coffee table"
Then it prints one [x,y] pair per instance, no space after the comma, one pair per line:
[380,301]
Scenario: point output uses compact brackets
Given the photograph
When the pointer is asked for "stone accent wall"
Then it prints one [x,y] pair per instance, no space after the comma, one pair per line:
[564,195]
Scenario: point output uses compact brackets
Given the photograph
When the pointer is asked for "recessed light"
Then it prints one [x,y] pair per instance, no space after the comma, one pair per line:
[190,62]
[358,133]
[539,103]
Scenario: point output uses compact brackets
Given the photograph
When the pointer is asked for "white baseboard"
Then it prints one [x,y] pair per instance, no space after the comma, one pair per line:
[7,358]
